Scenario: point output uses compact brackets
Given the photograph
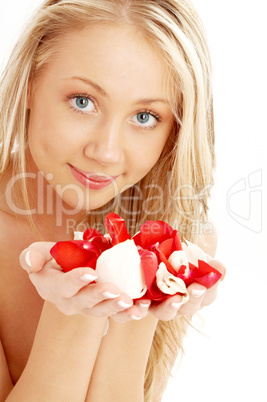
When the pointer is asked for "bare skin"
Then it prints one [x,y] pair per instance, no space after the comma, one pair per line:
[19,322]
[52,324]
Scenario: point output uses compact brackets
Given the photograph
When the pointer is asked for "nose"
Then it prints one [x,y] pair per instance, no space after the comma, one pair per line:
[105,145]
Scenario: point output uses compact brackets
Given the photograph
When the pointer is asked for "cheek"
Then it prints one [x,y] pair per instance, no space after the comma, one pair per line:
[152,151]
[51,134]
[146,155]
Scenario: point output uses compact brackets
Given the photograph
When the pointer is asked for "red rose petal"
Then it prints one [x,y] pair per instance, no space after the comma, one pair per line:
[204,274]
[187,274]
[90,233]
[169,267]
[177,244]
[170,245]
[116,228]
[166,247]
[137,239]
[149,264]
[101,243]
[209,275]
[153,232]
[74,254]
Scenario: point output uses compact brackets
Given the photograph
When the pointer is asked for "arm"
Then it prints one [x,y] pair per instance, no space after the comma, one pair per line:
[62,358]
[121,362]
[66,343]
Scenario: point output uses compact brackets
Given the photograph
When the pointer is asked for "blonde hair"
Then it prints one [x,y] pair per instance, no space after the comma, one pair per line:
[185,168]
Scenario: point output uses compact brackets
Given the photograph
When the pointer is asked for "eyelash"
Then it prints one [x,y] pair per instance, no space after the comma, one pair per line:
[152,113]
[85,95]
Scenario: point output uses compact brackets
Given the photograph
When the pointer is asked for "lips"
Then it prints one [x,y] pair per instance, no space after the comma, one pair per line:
[91,180]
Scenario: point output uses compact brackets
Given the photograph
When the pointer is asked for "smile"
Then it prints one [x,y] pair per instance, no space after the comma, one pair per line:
[91,180]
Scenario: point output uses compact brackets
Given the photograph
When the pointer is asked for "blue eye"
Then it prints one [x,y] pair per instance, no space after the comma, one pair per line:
[82,104]
[145,119]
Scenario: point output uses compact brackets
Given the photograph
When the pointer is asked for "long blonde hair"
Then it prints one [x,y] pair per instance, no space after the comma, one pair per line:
[184,173]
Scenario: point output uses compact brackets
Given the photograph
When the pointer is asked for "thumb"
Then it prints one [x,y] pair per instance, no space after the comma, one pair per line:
[36,256]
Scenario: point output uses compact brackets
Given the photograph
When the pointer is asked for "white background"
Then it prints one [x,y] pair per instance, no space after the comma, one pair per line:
[227,361]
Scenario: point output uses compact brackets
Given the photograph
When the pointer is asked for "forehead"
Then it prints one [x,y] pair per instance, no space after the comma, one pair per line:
[113,55]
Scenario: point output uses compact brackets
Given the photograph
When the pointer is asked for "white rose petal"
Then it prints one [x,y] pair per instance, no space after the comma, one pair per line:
[121,265]
[178,258]
[194,253]
[78,235]
[169,284]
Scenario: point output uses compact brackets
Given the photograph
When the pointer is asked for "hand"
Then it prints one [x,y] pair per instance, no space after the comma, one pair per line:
[73,292]
[199,297]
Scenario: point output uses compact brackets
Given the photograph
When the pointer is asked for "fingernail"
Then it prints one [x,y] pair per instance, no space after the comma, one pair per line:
[88,278]
[197,292]
[109,295]
[134,317]
[122,304]
[145,305]
[27,259]
[176,305]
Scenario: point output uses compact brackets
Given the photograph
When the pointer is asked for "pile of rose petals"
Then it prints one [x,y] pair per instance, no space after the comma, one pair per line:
[154,264]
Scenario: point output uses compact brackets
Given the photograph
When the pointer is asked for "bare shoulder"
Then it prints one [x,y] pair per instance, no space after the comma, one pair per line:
[5,380]
[14,229]
[206,238]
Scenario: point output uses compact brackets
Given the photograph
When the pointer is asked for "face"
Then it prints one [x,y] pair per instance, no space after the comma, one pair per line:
[99,114]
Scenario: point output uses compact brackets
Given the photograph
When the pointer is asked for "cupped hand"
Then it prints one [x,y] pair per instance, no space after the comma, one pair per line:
[75,292]
[199,297]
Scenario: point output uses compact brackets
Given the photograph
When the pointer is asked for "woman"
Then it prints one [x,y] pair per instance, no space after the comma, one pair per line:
[106,106]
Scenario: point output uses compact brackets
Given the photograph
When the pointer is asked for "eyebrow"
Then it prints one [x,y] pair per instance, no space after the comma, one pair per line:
[103,92]
[146,101]
[92,84]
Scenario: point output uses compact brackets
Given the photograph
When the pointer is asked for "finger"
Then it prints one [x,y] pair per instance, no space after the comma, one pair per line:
[36,256]
[168,309]
[95,293]
[131,314]
[143,306]
[219,266]
[196,293]
[110,307]
[211,293]
[70,283]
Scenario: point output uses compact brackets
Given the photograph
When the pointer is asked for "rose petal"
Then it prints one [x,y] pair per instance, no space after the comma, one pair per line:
[101,243]
[78,236]
[208,275]
[75,253]
[116,228]
[177,259]
[121,265]
[193,253]
[169,283]
[187,274]
[162,258]
[90,233]
[204,274]
[153,232]
[166,247]
[149,264]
